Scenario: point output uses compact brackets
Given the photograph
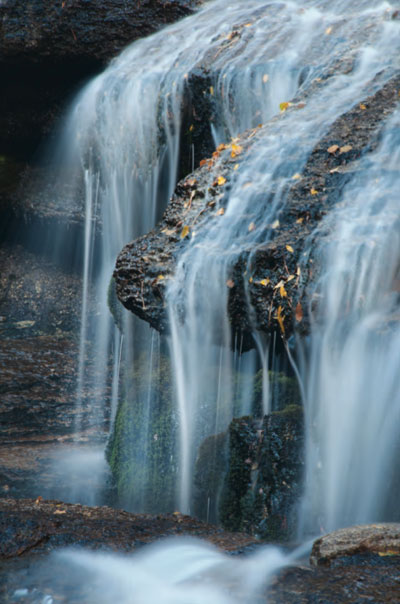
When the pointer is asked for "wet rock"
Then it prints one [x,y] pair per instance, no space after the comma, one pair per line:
[264,480]
[36,526]
[200,197]
[355,544]
[50,48]
[209,473]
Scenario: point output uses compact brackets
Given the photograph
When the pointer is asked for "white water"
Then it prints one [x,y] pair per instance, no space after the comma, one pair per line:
[353,394]
[177,571]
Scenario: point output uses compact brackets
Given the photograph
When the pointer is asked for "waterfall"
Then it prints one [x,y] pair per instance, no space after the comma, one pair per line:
[124,154]
[353,396]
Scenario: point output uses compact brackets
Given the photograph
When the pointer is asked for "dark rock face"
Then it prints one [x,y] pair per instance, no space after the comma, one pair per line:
[50,48]
[29,526]
[263,482]
[143,266]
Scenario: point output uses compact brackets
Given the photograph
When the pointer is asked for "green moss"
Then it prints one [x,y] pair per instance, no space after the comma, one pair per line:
[142,449]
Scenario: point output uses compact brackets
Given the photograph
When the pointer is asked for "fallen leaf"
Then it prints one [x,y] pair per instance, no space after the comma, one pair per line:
[298,272]
[283,292]
[362,107]
[251,280]
[185,232]
[60,512]
[191,128]
[221,180]
[279,284]
[300,220]
[328,31]
[314,192]
[252,226]
[236,167]
[280,318]
[299,313]
[296,176]
[264,282]
[236,149]
[345,149]
[265,78]
[212,90]
[290,249]
[166,232]
[160,278]
[290,278]
[300,105]
[333,148]
[38,500]
[230,283]
[275,224]
[284,106]
[221,212]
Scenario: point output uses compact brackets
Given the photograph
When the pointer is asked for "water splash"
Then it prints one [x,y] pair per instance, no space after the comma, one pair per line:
[174,571]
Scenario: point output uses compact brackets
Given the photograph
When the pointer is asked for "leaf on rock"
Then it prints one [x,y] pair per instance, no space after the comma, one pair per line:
[275,224]
[252,226]
[314,191]
[300,220]
[279,284]
[230,283]
[280,319]
[333,148]
[290,278]
[328,31]
[296,176]
[236,167]
[283,292]
[284,106]
[212,90]
[345,149]
[221,180]
[290,249]
[236,150]
[362,107]
[299,313]
[185,232]
[264,282]
[221,212]
[265,78]
[160,278]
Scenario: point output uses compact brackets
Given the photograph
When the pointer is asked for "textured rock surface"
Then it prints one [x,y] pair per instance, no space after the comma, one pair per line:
[263,482]
[357,542]
[198,198]
[49,48]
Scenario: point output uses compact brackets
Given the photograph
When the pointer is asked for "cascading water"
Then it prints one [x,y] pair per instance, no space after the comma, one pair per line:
[353,396]
[123,136]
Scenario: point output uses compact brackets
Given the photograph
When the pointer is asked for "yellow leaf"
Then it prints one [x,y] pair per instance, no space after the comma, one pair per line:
[221,147]
[264,282]
[298,272]
[191,128]
[212,90]
[290,278]
[251,280]
[60,512]
[160,277]
[236,167]
[314,192]
[280,318]
[300,220]
[283,292]
[345,149]
[362,106]
[280,284]
[236,149]
[290,249]
[328,31]
[265,78]
[275,224]
[299,313]
[248,24]
[284,106]
[221,212]
[333,148]
[296,176]
[252,226]
[230,283]
[221,180]
[389,552]
[185,232]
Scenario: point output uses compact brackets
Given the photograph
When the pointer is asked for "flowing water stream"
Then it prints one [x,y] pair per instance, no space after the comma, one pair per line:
[123,138]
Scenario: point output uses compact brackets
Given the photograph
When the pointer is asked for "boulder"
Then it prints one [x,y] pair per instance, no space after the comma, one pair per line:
[144,265]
